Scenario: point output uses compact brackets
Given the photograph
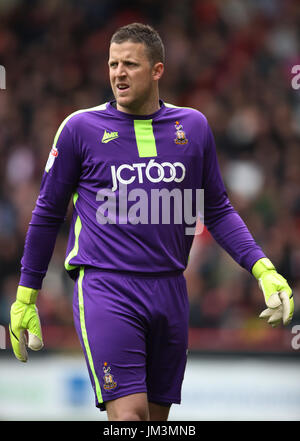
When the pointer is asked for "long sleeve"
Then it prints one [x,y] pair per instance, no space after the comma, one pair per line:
[220,218]
[58,183]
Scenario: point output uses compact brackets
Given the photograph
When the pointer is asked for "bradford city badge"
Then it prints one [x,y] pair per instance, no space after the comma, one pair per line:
[109,382]
[180,134]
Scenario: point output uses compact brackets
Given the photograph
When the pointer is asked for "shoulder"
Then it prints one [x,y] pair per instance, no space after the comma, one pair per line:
[75,119]
[82,114]
[187,112]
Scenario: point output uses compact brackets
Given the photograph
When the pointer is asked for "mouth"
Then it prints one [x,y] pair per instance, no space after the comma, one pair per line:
[122,87]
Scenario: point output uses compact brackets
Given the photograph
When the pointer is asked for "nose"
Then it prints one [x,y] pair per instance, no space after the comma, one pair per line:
[120,71]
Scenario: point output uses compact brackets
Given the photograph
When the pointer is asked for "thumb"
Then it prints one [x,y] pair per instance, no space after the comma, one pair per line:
[34,342]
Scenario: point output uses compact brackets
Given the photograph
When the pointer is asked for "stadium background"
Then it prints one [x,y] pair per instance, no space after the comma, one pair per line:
[232,60]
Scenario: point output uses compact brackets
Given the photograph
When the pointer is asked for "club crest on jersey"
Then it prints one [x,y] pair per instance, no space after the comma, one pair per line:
[108,378]
[180,134]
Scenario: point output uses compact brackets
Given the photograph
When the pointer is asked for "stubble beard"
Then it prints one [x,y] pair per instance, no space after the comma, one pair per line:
[137,105]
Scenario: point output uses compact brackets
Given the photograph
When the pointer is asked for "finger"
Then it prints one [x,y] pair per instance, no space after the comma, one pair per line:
[34,342]
[22,346]
[275,324]
[276,316]
[273,301]
[286,307]
[18,343]
[266,313]
[25,338]
[35,332]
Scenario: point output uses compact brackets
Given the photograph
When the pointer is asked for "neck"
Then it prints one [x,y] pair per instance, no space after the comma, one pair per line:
[146,108]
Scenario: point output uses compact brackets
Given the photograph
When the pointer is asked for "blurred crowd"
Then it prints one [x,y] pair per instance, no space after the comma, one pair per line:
[231,60]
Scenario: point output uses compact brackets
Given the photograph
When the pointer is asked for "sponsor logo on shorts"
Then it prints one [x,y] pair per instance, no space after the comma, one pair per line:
[108,378]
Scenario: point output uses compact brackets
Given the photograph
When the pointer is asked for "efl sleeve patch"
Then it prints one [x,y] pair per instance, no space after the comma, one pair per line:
[52,156]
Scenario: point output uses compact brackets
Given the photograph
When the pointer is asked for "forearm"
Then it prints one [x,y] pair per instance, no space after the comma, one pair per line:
[233,236]
[48,215]
[39,245]
[220,218]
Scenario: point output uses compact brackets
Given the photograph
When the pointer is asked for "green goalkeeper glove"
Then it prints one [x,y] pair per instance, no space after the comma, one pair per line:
[278,295]
[24,316]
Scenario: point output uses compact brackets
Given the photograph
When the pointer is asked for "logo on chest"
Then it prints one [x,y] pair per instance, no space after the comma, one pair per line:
[152,171]
[109,136]
[180,134]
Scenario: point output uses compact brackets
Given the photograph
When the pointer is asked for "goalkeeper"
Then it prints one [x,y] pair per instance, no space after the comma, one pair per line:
[130,299]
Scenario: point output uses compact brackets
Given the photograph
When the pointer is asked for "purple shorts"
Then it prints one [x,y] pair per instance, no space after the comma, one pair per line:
[134,333]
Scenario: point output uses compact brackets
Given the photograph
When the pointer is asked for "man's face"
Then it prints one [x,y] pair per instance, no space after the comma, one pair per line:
[133,79]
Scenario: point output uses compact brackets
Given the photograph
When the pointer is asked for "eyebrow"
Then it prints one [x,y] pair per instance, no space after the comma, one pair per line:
[125,60]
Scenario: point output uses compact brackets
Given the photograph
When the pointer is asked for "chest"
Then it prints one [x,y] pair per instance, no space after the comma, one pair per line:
[142,153]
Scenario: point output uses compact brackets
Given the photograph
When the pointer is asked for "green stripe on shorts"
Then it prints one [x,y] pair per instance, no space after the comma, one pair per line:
[85,337]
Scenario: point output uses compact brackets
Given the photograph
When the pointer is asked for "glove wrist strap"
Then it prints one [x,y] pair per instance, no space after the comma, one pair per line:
[261,266]
[27,295]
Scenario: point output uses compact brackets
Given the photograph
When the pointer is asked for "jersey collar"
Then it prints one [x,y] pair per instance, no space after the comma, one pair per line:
[111,107]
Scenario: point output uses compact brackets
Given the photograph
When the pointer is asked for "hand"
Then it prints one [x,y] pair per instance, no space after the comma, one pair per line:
[277,293]
[24,316]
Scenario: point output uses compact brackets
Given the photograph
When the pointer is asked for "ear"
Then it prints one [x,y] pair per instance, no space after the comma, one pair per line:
[157,71]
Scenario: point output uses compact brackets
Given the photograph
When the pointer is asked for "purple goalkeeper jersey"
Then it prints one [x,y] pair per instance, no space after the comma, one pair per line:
[137,183]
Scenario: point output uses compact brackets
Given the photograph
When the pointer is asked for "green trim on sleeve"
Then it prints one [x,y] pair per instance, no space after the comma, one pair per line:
[77,230]
[60,129]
